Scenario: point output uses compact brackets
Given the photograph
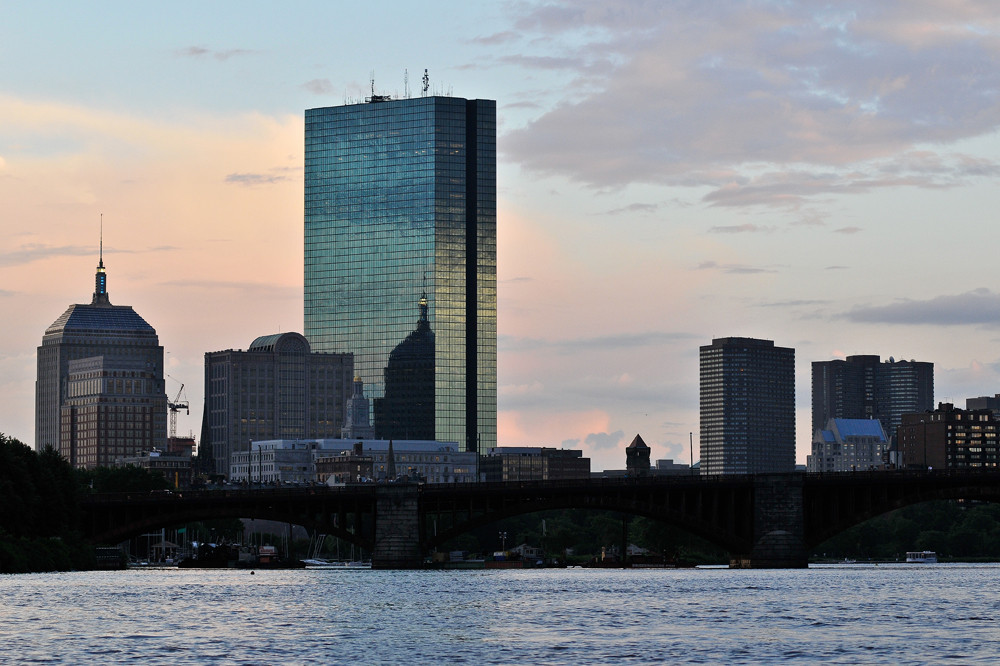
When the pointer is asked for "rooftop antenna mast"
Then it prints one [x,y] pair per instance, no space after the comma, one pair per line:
[101,255]
[406,83]
[427,84]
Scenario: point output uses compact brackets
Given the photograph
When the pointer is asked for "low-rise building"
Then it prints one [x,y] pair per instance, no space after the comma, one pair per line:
[176,468]
[533,463]
[848,445]
[295,461]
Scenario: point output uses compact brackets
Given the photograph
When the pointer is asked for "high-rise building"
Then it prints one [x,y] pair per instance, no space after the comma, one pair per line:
[862,387]
[400,205]
[747,407]
[99,392]
[276,389]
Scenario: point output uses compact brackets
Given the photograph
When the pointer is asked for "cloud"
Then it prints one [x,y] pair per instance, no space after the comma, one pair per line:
[832,101]
[202,52]
[737,269]
[319,86]
[497,38]
[848,230]
[793,304]
[977,307]
[254,179]
[740,229]
[646,208]
[603,440]
[35,252]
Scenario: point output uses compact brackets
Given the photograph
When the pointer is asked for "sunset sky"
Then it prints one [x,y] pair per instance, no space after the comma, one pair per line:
[820,174]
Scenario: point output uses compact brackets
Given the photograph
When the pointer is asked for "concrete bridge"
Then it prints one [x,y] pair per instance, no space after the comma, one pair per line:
[763,521]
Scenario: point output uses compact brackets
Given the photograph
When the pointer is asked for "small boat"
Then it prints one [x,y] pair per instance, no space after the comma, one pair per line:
[921,557]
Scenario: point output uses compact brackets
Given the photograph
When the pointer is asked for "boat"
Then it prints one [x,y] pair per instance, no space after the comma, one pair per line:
[921,557]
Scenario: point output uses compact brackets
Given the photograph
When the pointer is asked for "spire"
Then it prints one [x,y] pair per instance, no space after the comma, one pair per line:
[101,279]
[423,310]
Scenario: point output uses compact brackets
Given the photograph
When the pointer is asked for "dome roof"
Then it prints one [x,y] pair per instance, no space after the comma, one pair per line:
[282,343]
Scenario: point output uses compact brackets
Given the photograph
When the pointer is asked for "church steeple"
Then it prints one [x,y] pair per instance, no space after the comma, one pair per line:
[101,279]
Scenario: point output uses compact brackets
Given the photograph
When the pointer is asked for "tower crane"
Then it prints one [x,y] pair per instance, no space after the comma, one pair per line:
[175,406]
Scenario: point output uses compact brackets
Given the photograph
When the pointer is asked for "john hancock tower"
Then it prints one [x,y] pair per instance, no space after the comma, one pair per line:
[400,259]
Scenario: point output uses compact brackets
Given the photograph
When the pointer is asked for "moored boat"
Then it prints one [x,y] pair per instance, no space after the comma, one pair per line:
[921,557]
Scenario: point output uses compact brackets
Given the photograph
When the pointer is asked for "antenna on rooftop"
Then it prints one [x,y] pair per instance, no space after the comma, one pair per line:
[427,84]
[101,255]
[406,83]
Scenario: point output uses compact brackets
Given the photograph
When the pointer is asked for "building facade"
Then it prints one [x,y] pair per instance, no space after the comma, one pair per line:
[99,391]
[863,387]
[304,461]
[747,407]
[112,409]
[848,445]
[400,226]
[277,389]
[949,437]
[533,463]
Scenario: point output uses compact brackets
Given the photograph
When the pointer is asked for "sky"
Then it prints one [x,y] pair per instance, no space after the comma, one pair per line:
[819,174]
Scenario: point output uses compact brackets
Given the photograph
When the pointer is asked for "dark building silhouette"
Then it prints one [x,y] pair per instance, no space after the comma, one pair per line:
[862,387]
[406,411]
[99,393]
[400,196]
[637,458]
[747,410]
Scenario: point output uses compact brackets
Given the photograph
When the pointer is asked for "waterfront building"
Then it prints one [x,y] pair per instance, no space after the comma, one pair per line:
[949,437]
[533,463]
[862,387]
[99,392]
[295,461]
[848,445]
[277,389]
[400,225]
[747,407]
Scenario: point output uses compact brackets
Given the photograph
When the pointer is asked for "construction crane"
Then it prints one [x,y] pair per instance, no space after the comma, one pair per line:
[175,406]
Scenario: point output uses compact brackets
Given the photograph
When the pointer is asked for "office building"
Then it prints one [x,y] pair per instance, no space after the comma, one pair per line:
[400,254]
[99,393]
[277,389]
[862,387]
[533,463]
[848,445]
[747,392]
[949,437]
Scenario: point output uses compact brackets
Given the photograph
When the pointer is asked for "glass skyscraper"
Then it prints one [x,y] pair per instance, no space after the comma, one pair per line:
[400,259]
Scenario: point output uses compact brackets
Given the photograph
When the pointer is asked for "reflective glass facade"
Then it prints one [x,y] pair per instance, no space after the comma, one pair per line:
[400,203]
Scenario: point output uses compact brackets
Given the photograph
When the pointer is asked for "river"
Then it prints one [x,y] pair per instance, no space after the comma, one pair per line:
[887,614]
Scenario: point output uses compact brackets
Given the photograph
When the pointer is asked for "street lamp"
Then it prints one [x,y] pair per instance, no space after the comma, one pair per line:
[503,541]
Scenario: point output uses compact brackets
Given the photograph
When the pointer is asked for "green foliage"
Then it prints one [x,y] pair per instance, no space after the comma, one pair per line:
[127,479]
[959,530]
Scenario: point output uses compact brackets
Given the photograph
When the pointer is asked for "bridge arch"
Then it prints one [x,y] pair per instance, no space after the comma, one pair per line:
[834,503]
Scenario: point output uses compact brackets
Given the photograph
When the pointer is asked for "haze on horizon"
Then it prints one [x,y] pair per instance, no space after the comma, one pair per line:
[821,176]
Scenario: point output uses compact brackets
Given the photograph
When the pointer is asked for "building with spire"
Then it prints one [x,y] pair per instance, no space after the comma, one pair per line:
[357,420]
[400,197]
[99,391]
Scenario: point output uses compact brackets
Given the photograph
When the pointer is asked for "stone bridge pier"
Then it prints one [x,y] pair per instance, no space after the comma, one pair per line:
[397,527]
[778,525]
